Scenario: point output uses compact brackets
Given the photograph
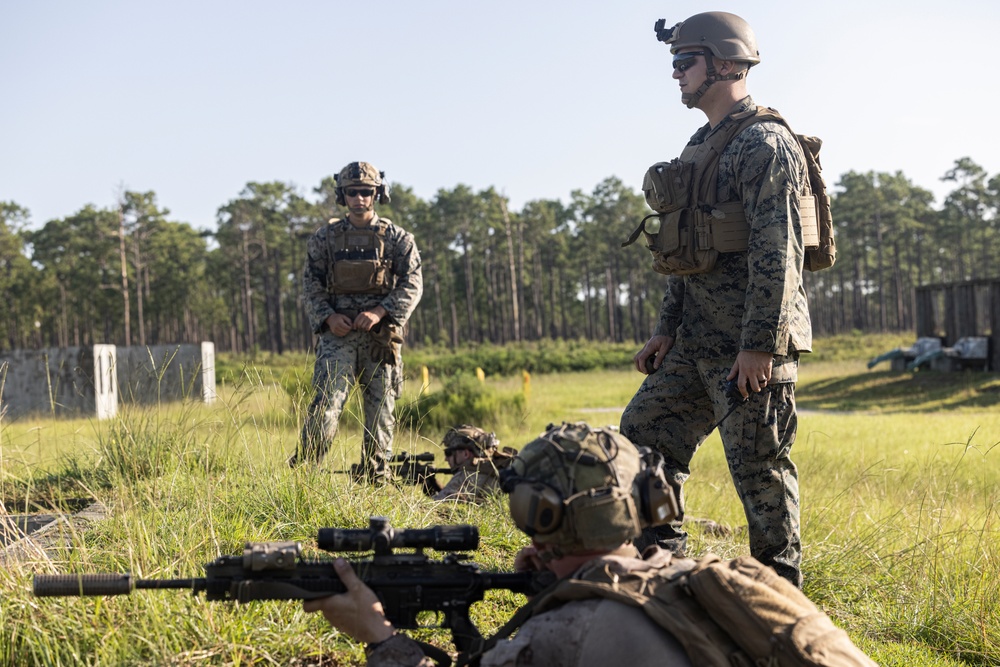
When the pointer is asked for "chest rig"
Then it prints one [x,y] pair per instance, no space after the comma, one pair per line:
[694,227]
[358,261]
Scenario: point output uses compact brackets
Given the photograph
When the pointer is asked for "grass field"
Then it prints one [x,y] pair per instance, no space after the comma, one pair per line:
[899,488]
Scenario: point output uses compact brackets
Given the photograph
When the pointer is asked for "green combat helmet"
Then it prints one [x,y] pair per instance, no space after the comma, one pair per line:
[361,174]
[578,489]
[721,34]
[472,438]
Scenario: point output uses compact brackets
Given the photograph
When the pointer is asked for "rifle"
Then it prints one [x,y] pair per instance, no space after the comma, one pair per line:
[406,584]
[408,468]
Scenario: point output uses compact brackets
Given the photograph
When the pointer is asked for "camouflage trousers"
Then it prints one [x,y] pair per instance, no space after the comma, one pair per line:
[673,412]
[340,363]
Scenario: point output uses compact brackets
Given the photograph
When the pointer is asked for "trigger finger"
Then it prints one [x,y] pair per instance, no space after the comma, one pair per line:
[346,574]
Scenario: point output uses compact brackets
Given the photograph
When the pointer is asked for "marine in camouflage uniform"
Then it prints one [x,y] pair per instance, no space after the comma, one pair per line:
[358,324]
[473,456]
[594,480]
[595,632]
[746,319]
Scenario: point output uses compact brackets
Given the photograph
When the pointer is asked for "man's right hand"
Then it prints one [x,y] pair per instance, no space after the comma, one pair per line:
[654,350]
[340,325]
[528,560]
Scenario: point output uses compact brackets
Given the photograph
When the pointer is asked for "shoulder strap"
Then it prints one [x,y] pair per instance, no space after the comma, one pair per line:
[716,143]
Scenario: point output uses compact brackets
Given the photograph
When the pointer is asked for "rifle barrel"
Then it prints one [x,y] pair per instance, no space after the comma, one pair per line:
[58,585]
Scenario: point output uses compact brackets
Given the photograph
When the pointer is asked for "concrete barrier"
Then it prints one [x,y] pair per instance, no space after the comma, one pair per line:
[94,380]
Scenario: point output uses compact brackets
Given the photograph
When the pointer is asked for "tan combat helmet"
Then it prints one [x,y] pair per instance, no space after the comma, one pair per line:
[721,34]
[360,174]
[476,440]
[579,489]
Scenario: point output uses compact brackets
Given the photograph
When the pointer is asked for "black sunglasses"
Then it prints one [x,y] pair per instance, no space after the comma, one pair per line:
[684,61]
[359,192]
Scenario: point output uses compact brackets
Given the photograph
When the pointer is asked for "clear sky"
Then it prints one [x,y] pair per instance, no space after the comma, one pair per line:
[193,99]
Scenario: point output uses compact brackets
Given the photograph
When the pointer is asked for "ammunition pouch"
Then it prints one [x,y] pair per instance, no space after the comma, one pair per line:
[667,185]
[689,241]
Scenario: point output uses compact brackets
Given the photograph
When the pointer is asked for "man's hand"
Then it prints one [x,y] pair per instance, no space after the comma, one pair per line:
[357,612]
[528,560]
[654,350]
[339,324]
[369,318]
[753,367]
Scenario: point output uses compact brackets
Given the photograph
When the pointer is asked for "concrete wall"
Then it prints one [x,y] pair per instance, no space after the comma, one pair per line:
[94,380]
[57,381]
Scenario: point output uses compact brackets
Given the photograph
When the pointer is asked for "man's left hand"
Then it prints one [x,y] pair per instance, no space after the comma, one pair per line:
[368,318]
[357,612]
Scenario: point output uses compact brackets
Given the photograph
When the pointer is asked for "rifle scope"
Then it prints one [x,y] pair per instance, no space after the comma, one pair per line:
[382,538]
[404,457]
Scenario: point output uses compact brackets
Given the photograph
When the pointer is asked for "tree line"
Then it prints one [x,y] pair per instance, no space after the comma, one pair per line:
[128,274]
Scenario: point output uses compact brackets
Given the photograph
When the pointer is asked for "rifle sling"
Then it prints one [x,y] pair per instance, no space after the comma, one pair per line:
[517,620]
[436,654]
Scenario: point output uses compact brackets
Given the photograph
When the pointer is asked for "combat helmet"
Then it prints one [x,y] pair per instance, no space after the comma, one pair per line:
[472,438]
[721,34]
[577,488]
[359,174]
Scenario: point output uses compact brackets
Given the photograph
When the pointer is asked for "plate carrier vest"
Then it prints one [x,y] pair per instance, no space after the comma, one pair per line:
[357,256]
[695,227]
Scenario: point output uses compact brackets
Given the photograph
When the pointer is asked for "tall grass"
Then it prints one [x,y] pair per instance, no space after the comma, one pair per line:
[901,538]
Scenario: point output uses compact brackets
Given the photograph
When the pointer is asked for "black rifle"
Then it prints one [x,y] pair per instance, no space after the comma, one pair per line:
[407,468]
[406,584]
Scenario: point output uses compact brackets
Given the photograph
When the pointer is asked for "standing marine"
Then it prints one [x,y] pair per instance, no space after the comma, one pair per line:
[732,209]
[361,283]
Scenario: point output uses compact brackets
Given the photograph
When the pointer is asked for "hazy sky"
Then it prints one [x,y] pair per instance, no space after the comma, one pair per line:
[194,99]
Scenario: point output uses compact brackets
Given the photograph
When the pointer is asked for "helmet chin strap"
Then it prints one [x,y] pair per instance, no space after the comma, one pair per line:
[711,76]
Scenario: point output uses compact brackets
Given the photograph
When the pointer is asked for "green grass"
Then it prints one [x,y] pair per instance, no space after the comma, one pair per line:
[900,476]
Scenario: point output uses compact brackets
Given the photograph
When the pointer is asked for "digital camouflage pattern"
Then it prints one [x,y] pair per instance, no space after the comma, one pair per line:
[582,633]
[675,410]
[749,301]
[753,300]
[400,302]
[342,361]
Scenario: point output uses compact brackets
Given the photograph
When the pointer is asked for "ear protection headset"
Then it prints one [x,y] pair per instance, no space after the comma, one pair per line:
[536,508]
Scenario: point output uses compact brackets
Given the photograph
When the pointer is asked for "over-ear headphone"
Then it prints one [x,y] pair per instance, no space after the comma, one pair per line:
[536,508]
